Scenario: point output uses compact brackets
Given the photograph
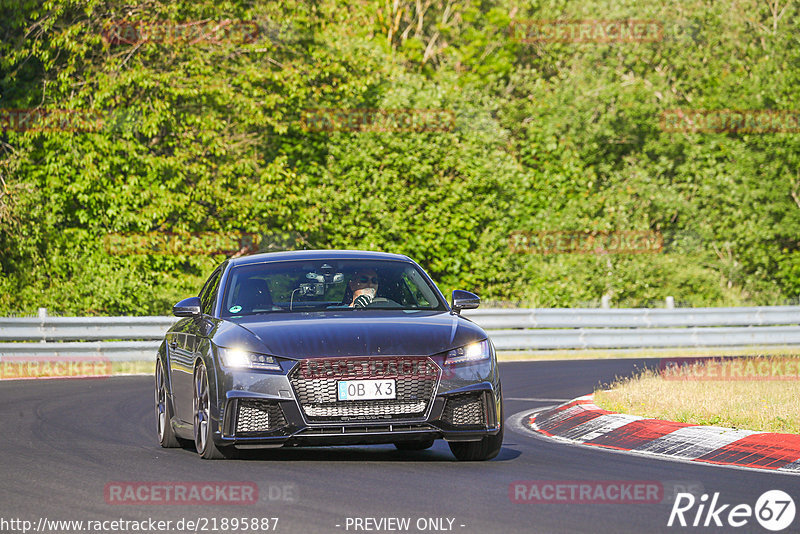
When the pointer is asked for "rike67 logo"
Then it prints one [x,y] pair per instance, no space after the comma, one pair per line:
[774,510]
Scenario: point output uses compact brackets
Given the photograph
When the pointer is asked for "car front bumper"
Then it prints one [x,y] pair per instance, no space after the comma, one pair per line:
[264,410]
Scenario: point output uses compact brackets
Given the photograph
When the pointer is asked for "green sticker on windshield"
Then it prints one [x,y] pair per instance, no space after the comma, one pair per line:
[235,309]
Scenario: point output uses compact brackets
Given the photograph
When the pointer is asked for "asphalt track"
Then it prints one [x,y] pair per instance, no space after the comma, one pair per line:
[62,441]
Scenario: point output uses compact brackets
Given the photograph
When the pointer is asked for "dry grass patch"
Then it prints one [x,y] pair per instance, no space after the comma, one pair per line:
[770,404]
[133,368]
[32,367]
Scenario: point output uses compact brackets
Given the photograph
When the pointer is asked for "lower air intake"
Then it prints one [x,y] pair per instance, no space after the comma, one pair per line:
[465,410]
[258,417]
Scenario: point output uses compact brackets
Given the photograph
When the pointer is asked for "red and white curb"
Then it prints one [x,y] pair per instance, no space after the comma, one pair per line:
[582,422]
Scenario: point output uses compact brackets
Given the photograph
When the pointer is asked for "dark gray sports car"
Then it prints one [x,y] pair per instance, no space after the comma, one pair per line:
[326,348]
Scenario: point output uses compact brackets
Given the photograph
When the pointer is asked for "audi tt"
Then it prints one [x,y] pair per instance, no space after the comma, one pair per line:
[310,348]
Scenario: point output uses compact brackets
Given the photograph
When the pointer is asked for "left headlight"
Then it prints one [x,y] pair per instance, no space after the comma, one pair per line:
[473,352]
[244,359]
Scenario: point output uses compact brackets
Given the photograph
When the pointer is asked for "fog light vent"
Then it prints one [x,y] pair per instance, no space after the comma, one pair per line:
[465,410]
[256,416]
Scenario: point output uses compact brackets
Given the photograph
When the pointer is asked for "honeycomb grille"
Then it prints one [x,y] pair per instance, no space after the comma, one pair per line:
[464,410]
[255,416]
[368,367]
[315,385]
[370,409]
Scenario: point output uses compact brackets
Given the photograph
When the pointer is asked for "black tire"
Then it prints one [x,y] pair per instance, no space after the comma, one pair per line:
[164,431]
[201,408]
[414,445]
[477,451]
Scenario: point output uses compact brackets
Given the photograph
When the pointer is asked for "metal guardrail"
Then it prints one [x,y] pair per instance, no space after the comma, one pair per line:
[113,350]
[512,329]
[645,337]
[491,319]
[88,328]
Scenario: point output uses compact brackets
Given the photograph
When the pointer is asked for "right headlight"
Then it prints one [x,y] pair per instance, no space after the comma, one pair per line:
[235,358]
[474,352]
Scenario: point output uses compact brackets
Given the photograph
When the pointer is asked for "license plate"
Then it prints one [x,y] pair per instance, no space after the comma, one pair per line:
[365,389]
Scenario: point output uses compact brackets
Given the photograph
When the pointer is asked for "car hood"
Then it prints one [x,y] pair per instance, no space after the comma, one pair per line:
[349,333]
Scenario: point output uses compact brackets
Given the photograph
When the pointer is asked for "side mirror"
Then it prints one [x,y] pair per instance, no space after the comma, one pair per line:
[464,300]
[187,307]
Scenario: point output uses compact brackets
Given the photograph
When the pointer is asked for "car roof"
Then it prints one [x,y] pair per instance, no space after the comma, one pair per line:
[317,255]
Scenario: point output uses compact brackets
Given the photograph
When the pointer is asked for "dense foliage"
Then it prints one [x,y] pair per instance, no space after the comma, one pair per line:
[208,136]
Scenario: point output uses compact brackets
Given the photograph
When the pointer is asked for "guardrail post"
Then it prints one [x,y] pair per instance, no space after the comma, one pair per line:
[42,319]
[670,302]
[605,301]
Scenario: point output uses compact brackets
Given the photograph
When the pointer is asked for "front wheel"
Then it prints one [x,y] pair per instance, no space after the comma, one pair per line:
[205,445]
[485,449]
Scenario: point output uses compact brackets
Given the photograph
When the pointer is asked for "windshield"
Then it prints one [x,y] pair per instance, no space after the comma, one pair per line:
[301,286]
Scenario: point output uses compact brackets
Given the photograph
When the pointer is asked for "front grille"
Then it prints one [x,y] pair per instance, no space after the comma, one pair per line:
[465,410]
[371,409]
[258,417]
[315,385]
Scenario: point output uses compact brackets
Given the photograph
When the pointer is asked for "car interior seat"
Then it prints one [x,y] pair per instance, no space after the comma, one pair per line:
[254,295]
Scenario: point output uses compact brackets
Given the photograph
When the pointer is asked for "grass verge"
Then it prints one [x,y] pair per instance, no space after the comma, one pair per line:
[705,395]
[32,367]
[133,368]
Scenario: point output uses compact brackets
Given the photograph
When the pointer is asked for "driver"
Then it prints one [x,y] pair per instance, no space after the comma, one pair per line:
[363,286]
